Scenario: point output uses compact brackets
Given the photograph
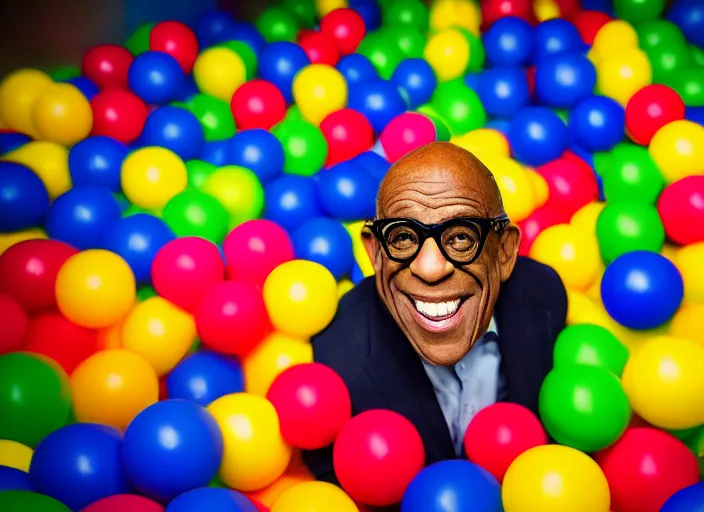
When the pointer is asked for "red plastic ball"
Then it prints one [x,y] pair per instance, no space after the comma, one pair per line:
[255,248]
[376,455]
[348,133]
[259,506]
[500,433]
[650,109]
[118,114]
[28,272]
[542,218]
[681,209]
[320,47]
[107,66]
[588,23]
[176,39]
[184,269]
[53,335]
[645,467]
[232,318]
[405,133]
[569,186]
[13,325]
[567,7]
[257,104]
[493,10]
[122,503]
[313,404]
[346,27]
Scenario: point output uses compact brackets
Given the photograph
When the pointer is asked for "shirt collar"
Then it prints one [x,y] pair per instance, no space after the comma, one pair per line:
[480,342]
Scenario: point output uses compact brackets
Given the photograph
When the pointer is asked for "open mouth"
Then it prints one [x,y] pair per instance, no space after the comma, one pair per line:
[437,315]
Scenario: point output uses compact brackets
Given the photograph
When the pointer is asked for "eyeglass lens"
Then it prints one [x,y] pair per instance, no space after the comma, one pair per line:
[459,241]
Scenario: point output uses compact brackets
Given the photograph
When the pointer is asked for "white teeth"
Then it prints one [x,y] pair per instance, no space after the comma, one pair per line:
[437,309]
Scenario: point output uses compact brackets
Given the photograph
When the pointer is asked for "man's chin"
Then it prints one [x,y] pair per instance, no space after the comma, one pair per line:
[443,354]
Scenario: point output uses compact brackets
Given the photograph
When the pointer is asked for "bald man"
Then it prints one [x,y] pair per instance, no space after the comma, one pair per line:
[453,320]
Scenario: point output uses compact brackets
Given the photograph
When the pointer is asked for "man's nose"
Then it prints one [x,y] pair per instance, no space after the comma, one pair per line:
[430,265]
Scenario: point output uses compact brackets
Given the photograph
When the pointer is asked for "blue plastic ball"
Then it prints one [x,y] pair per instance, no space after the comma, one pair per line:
[212,27]
[85,85]
[503,91]
[356,68]
[452,486]
[417,79]
[500,125]
[249,35]
[695,114]
[689,499]
[257,150]
[537,135]
[564,79]
[205,376]
[290,200]
[347,192]
[212,499]
[369,10]
[176,129]
[325,241]
[689,16]
[378,100]
[172,447]
[189,89]
[605,6]
[641,289]
[509,42]
[137,239]
[279,62]
[156,77]
[597,123]
[12,479]
[555,36]
[97,161]
[23,198]
[471,80]
[215,152]
[81,216]
[357,276]
[12,140]
[374,163]
[79,464]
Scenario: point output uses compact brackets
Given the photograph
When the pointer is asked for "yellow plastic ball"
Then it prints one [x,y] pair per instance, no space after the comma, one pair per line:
[271,357]
[546,10]
[255,453]
[447,52]
[151,176]
[690,262]
[323,7]
[621,74]
[112,386]
[670,251]
[572,253]
[445,14]
[63,114]
[554,478]
[358,250]
[301,298]
[687,323]
[95,288]
[219,72]
[160,332]
[49,161]
[540,188]
[239,190]
[343,286]
[7,240]
[678,149]
[612,37]
[15,455]
[314,497]
[18,93]
[585,218]
[319,90]
[664,382]
[515,186]
[483,141]
[583,310]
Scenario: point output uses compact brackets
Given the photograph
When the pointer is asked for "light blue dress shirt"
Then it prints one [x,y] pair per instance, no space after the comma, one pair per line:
[473,383]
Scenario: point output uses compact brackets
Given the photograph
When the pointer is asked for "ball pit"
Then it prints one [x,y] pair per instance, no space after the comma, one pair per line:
[181,214]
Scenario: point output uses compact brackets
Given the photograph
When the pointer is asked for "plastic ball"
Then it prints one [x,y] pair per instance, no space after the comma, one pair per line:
[79,464]
[555,36]
[645,467]
[677,149]
[274,355]
[304,146]
[34,397]
[175,129]
[417,80]
[320,47]
[509,42]
[562,80]
[87,88]
[688,260]
[24,199]
[97,161]
[62,114]
[205,376]
[614,37]
[277,24]
[231,318]
[212,26]
[379,101]
[291,200]
[219,72]
[639,11]
[279,63]
[120,502]
[151,176]
[347,192]
[246,53]
[592,345]
[554,477]
[15,455]
[19,92]
[597,123]
[503,91]
[632,175]
[238,190]
[641,289]
[177,40]
[195,213]
[327,242]
[452,485]
[345,27]
[627,226]
[156,77]
[356,68]
[687,15]
[459,106]
[681,210]
[17,500]
[537,135]
[214,116]
[12,479]
[405,133]
[49,161]
[15,324]
[570,187]
[689,499]
[257,150]
[319,90]
[118,114]
[621,74]
[347,133]
[310,496]
[448,53]
[107,66]
[376,455]
[216,500]
[257,104]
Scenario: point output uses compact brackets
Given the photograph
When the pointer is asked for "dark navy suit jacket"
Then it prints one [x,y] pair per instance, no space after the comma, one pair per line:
[365,346]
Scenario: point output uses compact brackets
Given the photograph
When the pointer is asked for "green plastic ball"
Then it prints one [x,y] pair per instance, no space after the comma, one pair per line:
[639,11]
[198,171]
[591,345]
[239,190]
[602,162]
[655,33]
[626,226]
[133,209]
[383,52]
[689,84]
[34,397]
[584,407]
[145,292]
[305,148]
[249,58]
[667,62]
[214,115]
[65,73]
[138,42]
[459,106]
[410,42]
[293,114]
[277,24]
[477,55]
[195,213]
[303,11]
[442,131]
[696,55]
[27,501]
[632,175]
[412,14]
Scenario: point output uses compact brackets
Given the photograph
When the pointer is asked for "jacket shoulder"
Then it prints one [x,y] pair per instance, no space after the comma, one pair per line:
[535,281]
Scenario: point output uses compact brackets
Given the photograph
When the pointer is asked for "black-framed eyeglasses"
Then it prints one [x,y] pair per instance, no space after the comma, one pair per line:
[460,240]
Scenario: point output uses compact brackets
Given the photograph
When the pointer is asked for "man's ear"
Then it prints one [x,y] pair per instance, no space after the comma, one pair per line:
[371,245]
[508,250]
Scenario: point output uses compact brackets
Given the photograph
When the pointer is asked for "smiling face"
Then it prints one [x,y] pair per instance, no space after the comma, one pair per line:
[442,308]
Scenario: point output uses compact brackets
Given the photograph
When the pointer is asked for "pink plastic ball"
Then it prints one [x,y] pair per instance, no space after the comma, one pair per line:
[406,133]
[681,209]
[348,133]
[123,502]
[570,186]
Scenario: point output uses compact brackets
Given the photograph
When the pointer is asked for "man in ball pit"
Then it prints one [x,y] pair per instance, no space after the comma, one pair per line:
[453,320]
